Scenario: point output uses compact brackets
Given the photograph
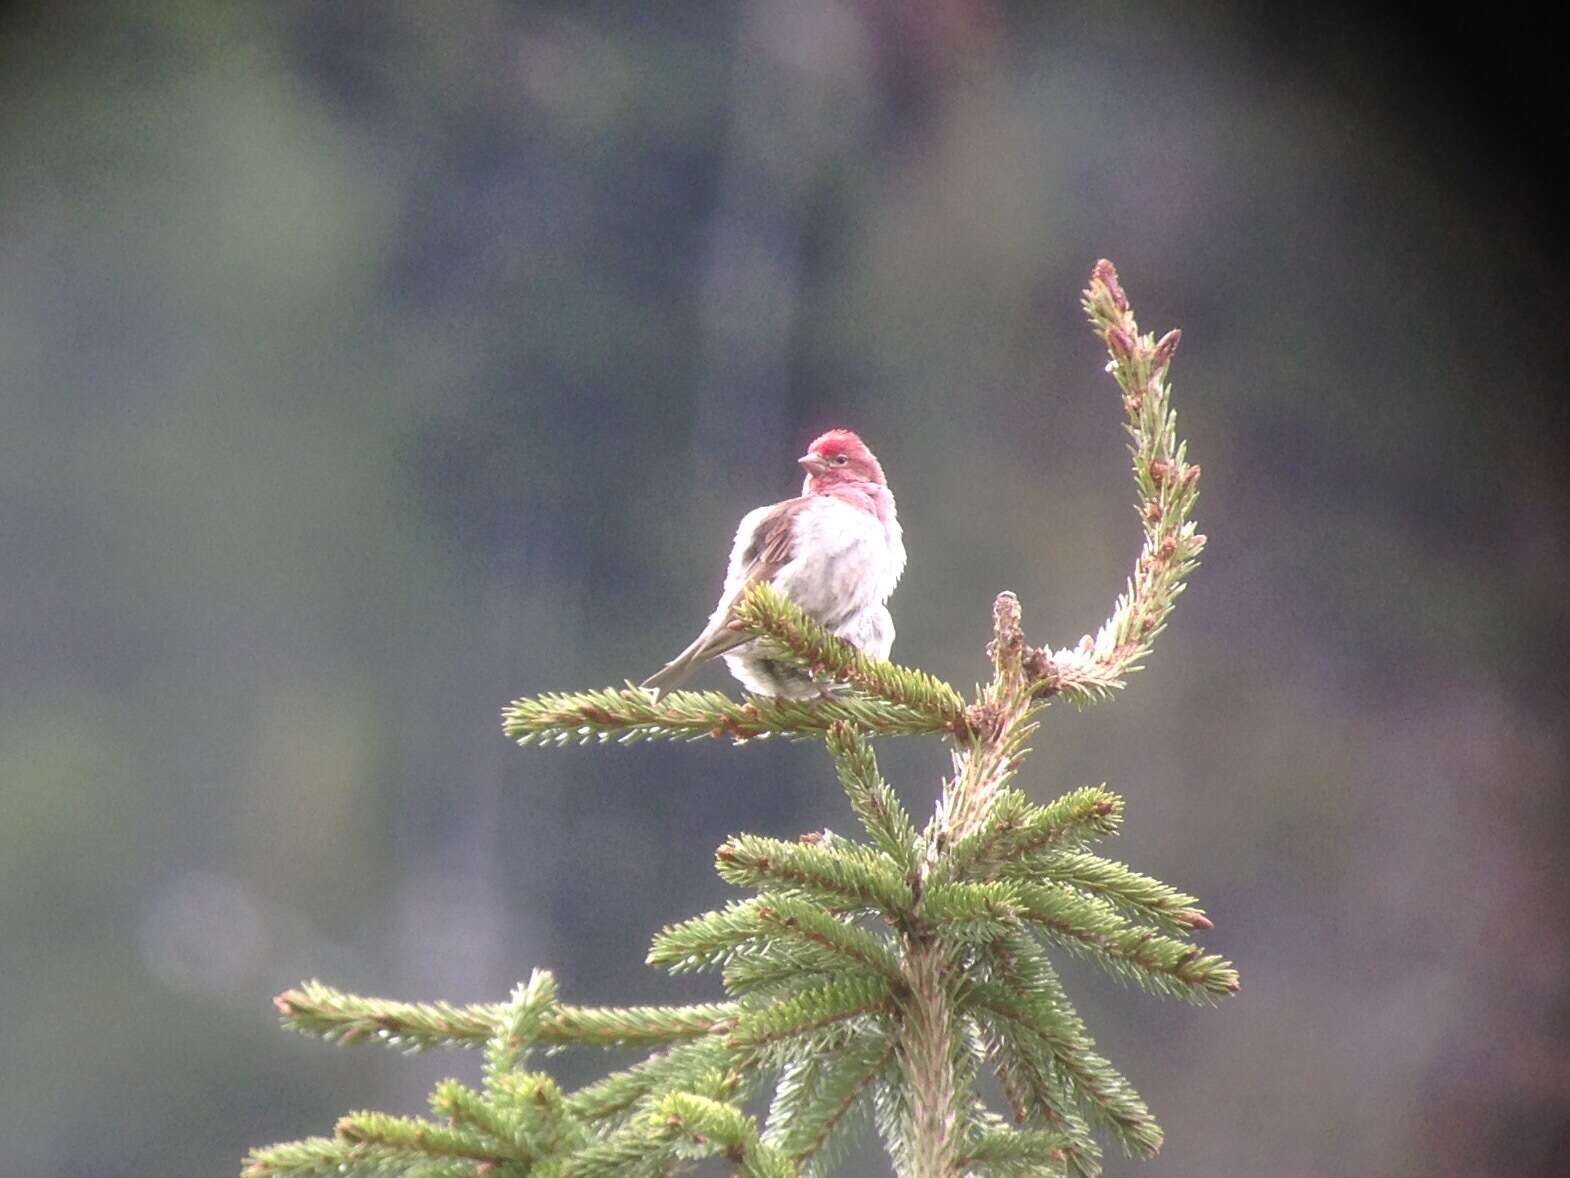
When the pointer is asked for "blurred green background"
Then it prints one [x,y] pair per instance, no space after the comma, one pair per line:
[365,365]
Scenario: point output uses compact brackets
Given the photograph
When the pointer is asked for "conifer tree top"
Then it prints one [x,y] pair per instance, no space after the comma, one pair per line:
[875,977]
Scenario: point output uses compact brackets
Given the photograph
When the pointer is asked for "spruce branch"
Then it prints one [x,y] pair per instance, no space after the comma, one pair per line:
[1095,1085]
[817,1097]
[635,1026]
[829,942]
[882,974]
[643,1148]
[843,876]
[878,807]
[842,944]
[683,1126]
[976,913]
[677,1068]
[1135,895]
[535,1104]
[1032,996]
[321,1011]
[972,913]
[520,1024]
[889,699]
[630,714]
[463,1107]
[1037,1093]
[768,614]
[721,1128]
[1094,930]
[772,971]
[812,1010]
[1168,486]
[1016,829]
[326,1157]
[411,1135]
[1007,1151]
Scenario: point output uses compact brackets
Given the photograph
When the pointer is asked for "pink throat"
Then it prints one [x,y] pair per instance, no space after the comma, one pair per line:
[873,498]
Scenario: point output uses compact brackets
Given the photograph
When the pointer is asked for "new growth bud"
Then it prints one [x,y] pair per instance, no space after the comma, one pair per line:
[1106,273]
[1166,346]
[1008,636]
[1121,343]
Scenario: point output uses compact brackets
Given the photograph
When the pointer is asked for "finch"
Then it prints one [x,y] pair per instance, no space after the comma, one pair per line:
[836,551]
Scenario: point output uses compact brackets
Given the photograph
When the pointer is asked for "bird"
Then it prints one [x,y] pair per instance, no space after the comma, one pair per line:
[836,550]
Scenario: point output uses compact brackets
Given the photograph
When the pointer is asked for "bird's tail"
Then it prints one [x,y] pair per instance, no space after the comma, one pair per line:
[669,677]
[706,646]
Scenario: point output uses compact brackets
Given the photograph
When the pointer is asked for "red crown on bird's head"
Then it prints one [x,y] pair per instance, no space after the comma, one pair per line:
[838,442]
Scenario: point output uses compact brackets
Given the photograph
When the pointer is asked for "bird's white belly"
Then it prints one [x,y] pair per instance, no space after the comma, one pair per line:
[846,566]
[843,564]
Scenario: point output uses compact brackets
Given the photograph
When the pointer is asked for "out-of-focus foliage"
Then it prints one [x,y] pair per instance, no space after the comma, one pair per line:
[365,366]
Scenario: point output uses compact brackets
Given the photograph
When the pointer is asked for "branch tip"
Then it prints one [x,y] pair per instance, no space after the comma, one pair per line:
[1106,274]
[1166,348]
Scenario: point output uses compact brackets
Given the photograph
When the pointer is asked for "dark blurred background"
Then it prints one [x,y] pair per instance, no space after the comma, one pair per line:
[365,365]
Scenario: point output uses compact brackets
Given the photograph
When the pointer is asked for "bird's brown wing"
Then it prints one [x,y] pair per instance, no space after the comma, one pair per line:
[773,545]
[770,548]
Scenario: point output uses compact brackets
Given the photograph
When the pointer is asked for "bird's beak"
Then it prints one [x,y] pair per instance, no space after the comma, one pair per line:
[813,463]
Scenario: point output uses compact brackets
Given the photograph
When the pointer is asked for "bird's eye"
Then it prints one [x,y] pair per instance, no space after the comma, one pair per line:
[841,459]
